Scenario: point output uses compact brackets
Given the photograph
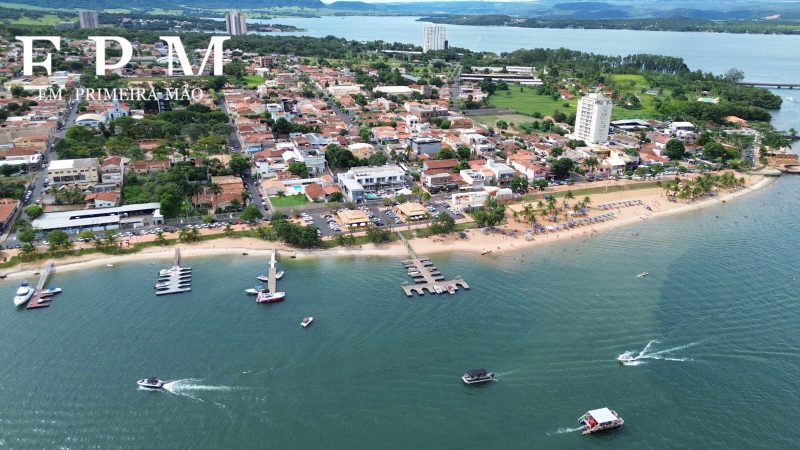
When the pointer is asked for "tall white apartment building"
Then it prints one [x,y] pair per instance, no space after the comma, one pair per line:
[88,19]
[593,118]
[434,37]
[235,23]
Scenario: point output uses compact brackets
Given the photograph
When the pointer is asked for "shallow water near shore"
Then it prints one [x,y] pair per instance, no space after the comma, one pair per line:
[377,369]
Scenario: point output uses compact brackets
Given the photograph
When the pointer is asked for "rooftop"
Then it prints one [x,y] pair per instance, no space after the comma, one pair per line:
[61,164]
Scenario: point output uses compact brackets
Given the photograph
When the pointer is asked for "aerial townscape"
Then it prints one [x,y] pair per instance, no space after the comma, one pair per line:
[437,206]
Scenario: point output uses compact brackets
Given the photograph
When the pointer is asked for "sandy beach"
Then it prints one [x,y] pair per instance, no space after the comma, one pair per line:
[501,240]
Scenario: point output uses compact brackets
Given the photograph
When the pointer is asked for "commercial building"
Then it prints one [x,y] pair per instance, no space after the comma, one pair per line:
[88,19]
[426,145]
[357,181]
[434,37]
[593,119]
[128,216]
[81,171]
[235,23]
[412,211]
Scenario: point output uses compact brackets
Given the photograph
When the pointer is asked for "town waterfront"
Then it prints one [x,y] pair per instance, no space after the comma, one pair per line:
[379,370]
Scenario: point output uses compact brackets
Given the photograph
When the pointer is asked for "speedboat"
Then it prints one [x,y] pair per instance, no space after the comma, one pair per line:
[151,383]
[437,289]
[626,358]
[476,376]
[306,322]
[50,292]
[270,297]
[162,285]
[279,275]
[262,277]
[255,290]
[643,274]
[599,420]
[24,293]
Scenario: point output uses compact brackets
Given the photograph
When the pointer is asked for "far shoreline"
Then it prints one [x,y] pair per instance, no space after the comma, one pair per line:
[476,244]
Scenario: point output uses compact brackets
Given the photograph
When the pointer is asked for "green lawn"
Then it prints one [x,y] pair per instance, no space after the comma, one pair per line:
[22,6]
[289,200]
[529,101]
[44,20]
[253,80]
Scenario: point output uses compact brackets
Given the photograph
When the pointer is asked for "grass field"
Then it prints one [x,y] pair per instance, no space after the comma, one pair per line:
[44,20]
[289,200]
[491,120]
[528,101]
[253,80]
[22,6]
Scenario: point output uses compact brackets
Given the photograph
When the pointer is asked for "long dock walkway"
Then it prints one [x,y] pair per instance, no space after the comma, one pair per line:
[272,283]
[37,301]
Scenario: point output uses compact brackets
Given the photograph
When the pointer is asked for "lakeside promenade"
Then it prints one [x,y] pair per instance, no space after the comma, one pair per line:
[508,237]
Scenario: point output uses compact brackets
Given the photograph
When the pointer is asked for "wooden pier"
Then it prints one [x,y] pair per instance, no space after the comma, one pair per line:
[39,301]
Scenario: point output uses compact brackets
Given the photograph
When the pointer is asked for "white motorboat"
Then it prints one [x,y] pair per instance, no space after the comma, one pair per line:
[270,297]
[24,293]
[255,290]
[437,289]
[451,289]
[626,358]
[262,277]
[279,275]
[600,420]
[110,265]
[162,285]
[643,274]
[476,376]
[151,383]
[50,292]
[306,322]
[173,270]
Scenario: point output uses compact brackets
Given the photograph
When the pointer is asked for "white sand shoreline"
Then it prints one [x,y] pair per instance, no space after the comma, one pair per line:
[258,248]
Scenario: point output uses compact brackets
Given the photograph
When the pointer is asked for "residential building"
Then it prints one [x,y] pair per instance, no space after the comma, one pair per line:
[235,23]
[88,19]
[8,207]
[593,118]
[434,37]
[426,145]
[502,173]
[473,178]
[82,171]
[357,181]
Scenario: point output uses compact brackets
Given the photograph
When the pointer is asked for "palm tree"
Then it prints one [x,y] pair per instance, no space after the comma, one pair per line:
[528,214]
[245,196]
[160,238]
[587,201]
[280,194]
[215,190]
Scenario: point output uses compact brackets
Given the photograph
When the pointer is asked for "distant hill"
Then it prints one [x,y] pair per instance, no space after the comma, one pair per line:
[153,4]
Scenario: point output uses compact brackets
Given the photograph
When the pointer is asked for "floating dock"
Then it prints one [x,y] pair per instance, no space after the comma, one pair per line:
[39,301]
[427,277]
[179,279]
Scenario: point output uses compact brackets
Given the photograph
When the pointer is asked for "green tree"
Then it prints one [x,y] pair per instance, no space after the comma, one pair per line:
[445,153]
[27,235]
[298,168]
[239,164]
[336,197]
[170,204]
[540,184]
[518,184]
[58,240]
[377,235]
[443,223]
[492,214]
[250,213]
[675,149]
[86,235]
[33,211]
[562,167]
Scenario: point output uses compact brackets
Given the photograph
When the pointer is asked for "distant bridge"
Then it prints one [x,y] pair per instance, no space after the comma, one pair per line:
[772,85]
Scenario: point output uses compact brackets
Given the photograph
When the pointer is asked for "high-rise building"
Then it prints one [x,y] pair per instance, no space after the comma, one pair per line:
[593,118]
[235,23]
[88,19]
[434,37]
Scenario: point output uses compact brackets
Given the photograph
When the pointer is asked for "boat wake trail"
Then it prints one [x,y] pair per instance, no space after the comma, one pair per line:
[662,355]
[564,430]
[188,387]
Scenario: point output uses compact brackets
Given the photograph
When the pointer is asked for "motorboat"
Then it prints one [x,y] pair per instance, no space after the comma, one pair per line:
[437,289]
[110,265]
[151,383]
[476,376]
[255,290]
[279,275]
[262,277]
[626,358]
[270,297]
[24,293]
[451,289]
[162,285]
[173,270]
[643,274]
[306,322]
[50,292]
[600,420]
